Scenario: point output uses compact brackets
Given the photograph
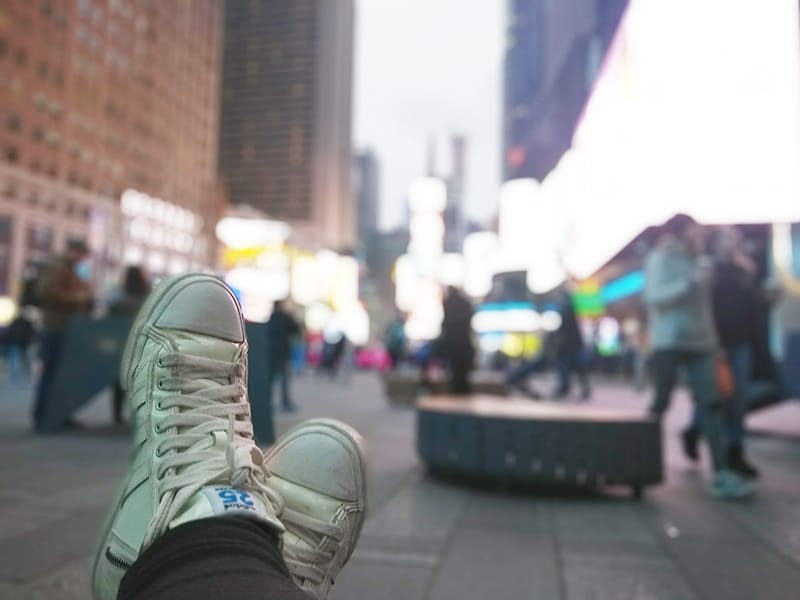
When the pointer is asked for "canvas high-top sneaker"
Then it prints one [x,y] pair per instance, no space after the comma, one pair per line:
[185,372]
[319,470]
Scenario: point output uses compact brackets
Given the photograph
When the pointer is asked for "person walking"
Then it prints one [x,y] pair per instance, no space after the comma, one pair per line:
[282,329]
[455,341]
[569,349]
[677,294]
[63,294]
[18,339]
[395,342]
[135,289]
[735,306]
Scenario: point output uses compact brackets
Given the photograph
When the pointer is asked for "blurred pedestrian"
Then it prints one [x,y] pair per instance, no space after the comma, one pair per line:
[569,349]
[455,342]
[395,342]
[678,297]
[136,287]
[282,329]
[64,292]
[18,339]
[735,304]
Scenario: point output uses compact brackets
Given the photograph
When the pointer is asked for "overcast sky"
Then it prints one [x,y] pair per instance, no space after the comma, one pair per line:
[427,67]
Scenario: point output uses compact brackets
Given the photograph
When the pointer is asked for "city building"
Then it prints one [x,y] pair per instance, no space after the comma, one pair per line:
[455,223]
[285,144]
[366,190]
[100,100]
[554,51]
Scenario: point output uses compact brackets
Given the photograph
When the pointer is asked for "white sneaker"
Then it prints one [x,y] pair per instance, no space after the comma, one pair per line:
[193,457]
[319,469]
[729,485]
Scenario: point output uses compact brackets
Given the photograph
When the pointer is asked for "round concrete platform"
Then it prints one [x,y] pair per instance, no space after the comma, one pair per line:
[519,441]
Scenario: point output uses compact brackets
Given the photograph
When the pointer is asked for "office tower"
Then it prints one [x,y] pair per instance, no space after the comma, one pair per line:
[285,144]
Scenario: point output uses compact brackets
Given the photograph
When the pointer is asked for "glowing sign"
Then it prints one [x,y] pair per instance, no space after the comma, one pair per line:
[709,126]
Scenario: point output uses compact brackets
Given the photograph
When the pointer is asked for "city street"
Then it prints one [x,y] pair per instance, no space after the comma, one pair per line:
[428,539]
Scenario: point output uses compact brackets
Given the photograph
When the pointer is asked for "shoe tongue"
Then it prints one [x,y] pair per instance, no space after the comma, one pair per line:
[221,501]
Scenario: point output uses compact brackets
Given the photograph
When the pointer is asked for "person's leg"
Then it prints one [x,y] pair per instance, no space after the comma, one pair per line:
[582,371]
[740,359]
[703,384]
[117,399]
[13,361]
[564,372]
[665,374]
[459,376]
[270,383]
[50,350]
[209,559]
[25,357]
[286,398]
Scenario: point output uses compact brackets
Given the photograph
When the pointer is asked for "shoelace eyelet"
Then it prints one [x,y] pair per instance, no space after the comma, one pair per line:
[160,362]
[159,406]
[159,453]
[157,428]
[160,383]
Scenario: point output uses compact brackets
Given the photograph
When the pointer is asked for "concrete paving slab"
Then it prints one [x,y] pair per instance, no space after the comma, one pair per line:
[38,552]
[613,578]
[742,571]
[502,511]
[498,563]
[369,580]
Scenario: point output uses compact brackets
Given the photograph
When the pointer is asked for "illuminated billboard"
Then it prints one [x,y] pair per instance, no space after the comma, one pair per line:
[696,110]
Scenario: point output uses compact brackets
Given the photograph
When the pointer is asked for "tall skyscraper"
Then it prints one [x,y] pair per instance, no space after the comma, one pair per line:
[286,111]
[554,50]
[366,189]
[454,214]
[98,97]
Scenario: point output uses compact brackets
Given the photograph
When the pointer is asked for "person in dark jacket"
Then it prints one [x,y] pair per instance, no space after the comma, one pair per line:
[135,288]
[63,293]
[735,302]
[282,329]
[455,341]
[569,350]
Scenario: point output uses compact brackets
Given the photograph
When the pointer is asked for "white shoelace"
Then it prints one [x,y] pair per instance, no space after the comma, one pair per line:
[212,410]
[307,562]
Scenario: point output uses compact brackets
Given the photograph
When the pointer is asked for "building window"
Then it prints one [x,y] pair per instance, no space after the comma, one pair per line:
[37,134]
[21,57]
[12,155]
[43,70]
[13,123]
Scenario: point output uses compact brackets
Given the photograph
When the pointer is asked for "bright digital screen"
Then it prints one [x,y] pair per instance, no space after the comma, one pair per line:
[696,110]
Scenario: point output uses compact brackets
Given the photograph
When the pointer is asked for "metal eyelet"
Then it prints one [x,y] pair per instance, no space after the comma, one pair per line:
[157,428]
[159,453]
[159,406]
[160,383]
[160,362]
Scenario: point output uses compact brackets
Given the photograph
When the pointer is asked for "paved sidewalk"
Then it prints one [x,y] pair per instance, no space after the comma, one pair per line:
[431,540]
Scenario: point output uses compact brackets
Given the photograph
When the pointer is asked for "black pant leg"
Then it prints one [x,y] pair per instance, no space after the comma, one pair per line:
[211,559]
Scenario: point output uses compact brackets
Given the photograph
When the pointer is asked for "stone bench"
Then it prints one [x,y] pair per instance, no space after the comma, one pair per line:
[516,441]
